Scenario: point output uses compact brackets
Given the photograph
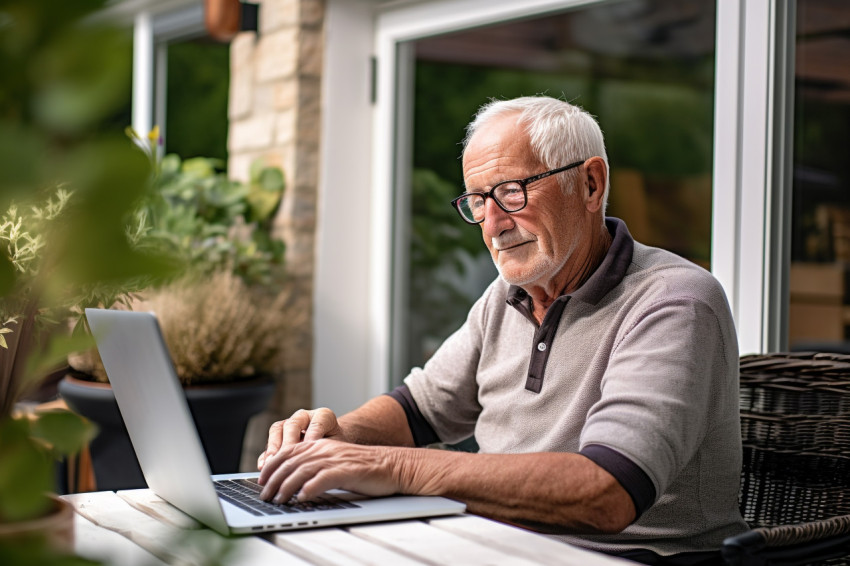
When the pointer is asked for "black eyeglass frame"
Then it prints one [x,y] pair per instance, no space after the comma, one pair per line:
[523,183]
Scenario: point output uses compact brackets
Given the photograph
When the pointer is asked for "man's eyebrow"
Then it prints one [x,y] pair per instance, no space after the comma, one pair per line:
[467,189]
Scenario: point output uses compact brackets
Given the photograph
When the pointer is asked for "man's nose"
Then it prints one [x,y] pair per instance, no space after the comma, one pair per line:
[496,220]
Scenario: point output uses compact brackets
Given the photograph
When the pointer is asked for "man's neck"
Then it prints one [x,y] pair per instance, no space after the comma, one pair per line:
[573,275]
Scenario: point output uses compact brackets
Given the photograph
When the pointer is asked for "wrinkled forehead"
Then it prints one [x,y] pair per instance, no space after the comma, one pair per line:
[500,143]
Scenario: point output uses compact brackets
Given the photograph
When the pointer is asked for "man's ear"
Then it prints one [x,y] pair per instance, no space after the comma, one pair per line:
[597,177]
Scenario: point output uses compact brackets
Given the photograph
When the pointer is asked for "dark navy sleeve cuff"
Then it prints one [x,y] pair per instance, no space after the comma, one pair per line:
[633,479]
[423,434]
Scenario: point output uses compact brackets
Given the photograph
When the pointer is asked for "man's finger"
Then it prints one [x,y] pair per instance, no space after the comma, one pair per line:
[294,425]
[291,484]
[273,444]
[323,422]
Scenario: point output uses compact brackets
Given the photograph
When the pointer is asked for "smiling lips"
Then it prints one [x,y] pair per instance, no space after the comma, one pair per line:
[504,248]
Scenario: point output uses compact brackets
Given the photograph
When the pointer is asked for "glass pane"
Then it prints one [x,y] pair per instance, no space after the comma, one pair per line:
[644,68]
[197,94]
[818,313]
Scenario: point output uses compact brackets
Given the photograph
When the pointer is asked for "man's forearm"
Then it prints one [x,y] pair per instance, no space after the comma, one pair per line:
[380,421]
[370,451]
[550,492]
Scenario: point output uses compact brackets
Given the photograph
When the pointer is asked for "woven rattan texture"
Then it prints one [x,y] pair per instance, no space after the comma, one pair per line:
[795,423]
[799,534]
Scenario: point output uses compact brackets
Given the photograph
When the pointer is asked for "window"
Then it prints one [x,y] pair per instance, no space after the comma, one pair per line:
[819,311]
[196,99]
[646,71]
[749,149]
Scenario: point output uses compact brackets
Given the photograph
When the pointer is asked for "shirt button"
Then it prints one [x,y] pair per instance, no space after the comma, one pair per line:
[542,346]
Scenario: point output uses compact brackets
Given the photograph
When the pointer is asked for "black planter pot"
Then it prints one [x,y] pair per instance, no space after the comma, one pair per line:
[221,414]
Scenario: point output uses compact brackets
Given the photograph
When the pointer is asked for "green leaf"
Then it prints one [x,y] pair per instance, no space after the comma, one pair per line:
[263,204]
[266,190]
[169,165]
[200,167]
[72,92]
[256,169]
[65,432]
[271,179]
[26,473]
[109,179]
[22,161]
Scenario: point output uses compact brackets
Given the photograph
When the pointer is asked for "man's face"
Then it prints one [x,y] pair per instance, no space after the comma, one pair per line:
[531,246]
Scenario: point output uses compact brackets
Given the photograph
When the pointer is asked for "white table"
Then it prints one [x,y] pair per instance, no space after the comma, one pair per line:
[136,527]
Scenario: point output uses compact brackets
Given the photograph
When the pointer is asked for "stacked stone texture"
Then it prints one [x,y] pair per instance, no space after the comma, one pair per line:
[275,82]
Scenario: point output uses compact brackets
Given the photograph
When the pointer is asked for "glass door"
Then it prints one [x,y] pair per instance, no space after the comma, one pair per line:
[644,68]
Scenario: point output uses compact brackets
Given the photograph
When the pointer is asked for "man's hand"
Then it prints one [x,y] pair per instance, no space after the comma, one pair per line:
[313,451]
[302,426]
[309,468]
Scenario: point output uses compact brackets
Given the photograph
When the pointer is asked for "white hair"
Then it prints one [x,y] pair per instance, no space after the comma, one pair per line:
[560,132]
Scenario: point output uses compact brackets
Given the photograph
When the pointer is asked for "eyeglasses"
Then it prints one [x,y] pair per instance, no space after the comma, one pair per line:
[510,196]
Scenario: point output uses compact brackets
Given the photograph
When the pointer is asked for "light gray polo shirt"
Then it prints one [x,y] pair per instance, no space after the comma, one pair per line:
[641,361]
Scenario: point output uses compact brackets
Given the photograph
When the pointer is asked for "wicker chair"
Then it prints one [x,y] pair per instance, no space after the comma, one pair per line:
[795,482]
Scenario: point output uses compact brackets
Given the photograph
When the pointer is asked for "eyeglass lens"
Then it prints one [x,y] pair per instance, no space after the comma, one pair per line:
[509,196]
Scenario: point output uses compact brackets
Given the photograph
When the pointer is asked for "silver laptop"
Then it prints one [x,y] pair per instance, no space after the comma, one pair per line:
[172,457]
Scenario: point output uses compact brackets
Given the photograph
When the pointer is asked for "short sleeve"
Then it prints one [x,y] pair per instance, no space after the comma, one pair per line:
[666,384]
[445,389]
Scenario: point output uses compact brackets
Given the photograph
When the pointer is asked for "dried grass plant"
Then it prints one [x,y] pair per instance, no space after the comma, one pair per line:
[217,329]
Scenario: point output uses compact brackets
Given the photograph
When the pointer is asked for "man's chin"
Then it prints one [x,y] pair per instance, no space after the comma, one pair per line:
[517,277]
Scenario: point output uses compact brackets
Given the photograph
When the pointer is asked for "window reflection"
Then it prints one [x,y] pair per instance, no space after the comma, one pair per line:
[818,314]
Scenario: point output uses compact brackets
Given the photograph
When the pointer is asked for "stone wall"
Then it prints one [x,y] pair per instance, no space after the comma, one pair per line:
[275,81]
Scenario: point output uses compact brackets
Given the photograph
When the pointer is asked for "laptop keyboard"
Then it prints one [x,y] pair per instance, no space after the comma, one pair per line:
[244,493]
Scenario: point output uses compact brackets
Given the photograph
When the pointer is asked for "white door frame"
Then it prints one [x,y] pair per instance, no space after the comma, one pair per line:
[154,23]
[751,224]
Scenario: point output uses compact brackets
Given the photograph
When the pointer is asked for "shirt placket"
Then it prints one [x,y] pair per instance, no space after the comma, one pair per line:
[542,344]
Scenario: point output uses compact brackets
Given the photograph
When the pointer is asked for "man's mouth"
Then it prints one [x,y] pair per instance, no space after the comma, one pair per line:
[512,246]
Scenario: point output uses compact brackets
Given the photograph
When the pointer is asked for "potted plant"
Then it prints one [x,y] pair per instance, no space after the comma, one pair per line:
[45,281]
[55,261]
[29,442]
[66,188]
[222,319]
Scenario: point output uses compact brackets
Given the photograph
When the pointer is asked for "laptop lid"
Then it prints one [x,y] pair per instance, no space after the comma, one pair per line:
[156,412]
[169,449]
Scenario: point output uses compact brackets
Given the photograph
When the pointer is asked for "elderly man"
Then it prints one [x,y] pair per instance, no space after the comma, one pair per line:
[598,375]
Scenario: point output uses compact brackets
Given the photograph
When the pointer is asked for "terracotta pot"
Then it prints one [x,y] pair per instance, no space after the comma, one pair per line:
[56,529]
[222,18]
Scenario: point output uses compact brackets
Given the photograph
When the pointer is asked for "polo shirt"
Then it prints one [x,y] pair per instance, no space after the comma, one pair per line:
[637,370]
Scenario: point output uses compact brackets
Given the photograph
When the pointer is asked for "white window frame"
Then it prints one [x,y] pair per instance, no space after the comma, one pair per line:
[751,177]
[751,226]
[155,23]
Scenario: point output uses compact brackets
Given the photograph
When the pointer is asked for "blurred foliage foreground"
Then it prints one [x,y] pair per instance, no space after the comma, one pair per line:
[87,218]
[60,78]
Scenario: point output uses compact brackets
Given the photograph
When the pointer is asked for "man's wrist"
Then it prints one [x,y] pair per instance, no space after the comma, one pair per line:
[422,471]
